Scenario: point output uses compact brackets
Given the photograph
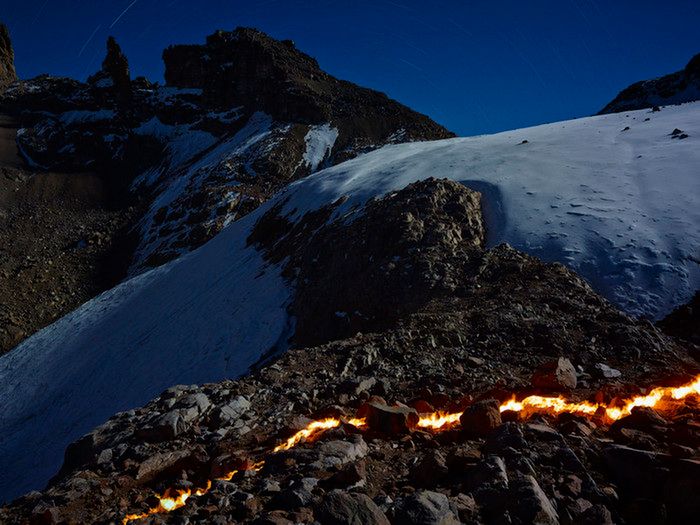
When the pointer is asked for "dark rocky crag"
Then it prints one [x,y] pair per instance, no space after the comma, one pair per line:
[246,67]
[675,88]
[7,59]
[481,326]
[114,75]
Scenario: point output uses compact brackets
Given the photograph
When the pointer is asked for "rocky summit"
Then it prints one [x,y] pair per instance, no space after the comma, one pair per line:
[258,294]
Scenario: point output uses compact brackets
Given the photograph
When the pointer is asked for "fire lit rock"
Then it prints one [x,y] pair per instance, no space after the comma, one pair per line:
[555,375]
[481,418]
[389,420]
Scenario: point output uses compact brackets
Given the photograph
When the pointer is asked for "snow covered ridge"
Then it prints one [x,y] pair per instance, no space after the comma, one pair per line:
[614,197]
[675,88]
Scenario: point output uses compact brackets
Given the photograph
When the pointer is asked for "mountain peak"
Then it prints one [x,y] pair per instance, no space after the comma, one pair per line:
[246,67]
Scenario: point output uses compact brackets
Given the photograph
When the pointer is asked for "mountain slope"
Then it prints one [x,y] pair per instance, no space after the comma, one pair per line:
[178,162]
[618,205]
[675,88]
[473,324]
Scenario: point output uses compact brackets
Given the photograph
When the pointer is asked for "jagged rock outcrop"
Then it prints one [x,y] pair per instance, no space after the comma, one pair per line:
[247,67]
[398,254]
[466,351]
[676,88]
[7,58]
[114,75]
[684,321]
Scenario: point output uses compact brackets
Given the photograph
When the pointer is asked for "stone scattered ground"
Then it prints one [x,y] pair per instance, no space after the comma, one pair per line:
[63,240]
[482,325]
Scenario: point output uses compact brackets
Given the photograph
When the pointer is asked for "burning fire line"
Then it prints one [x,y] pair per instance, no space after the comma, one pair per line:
[437,421]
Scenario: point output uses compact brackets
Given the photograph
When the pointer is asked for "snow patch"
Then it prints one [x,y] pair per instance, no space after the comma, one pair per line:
[79,116]
[319,143]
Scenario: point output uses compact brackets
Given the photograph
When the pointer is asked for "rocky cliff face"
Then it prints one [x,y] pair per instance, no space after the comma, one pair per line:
[242,116]
[7,58]
[676,88]
[246,67]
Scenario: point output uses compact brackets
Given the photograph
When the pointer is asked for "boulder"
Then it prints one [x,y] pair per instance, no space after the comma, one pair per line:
[336,453]
[481,418]
[342,508]
[429,470]
[389,420]
[603,371]
[350,475]
[530,503]
[425,507]
[555,375]
[636,472]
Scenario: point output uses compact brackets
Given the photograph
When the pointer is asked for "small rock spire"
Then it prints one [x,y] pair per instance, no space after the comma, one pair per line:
[114,74]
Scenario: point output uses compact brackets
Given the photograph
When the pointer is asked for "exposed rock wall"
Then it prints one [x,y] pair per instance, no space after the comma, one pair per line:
[7,59]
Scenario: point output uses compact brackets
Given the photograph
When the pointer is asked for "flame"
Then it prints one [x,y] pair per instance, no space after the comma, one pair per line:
[256,467]
[558,405]
[313,428]
[168,502]
[358,422]
[552,405]
[438,420]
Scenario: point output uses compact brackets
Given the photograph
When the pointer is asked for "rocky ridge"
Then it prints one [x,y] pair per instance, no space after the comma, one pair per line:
[675,88]
[484,324]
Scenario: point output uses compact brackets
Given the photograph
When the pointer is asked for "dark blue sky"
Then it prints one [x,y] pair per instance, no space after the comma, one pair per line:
[474,66]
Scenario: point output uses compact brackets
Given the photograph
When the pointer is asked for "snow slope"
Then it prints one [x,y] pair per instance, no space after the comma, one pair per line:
[620,207]
[206,316]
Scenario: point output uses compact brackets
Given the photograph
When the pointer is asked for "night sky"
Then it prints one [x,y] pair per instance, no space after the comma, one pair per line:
[476,67]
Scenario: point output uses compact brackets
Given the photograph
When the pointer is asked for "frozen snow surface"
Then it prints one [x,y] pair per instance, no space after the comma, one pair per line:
[319,143]
[620,206]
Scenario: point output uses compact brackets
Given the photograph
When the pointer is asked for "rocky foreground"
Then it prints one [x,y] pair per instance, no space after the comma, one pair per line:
[439,324]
